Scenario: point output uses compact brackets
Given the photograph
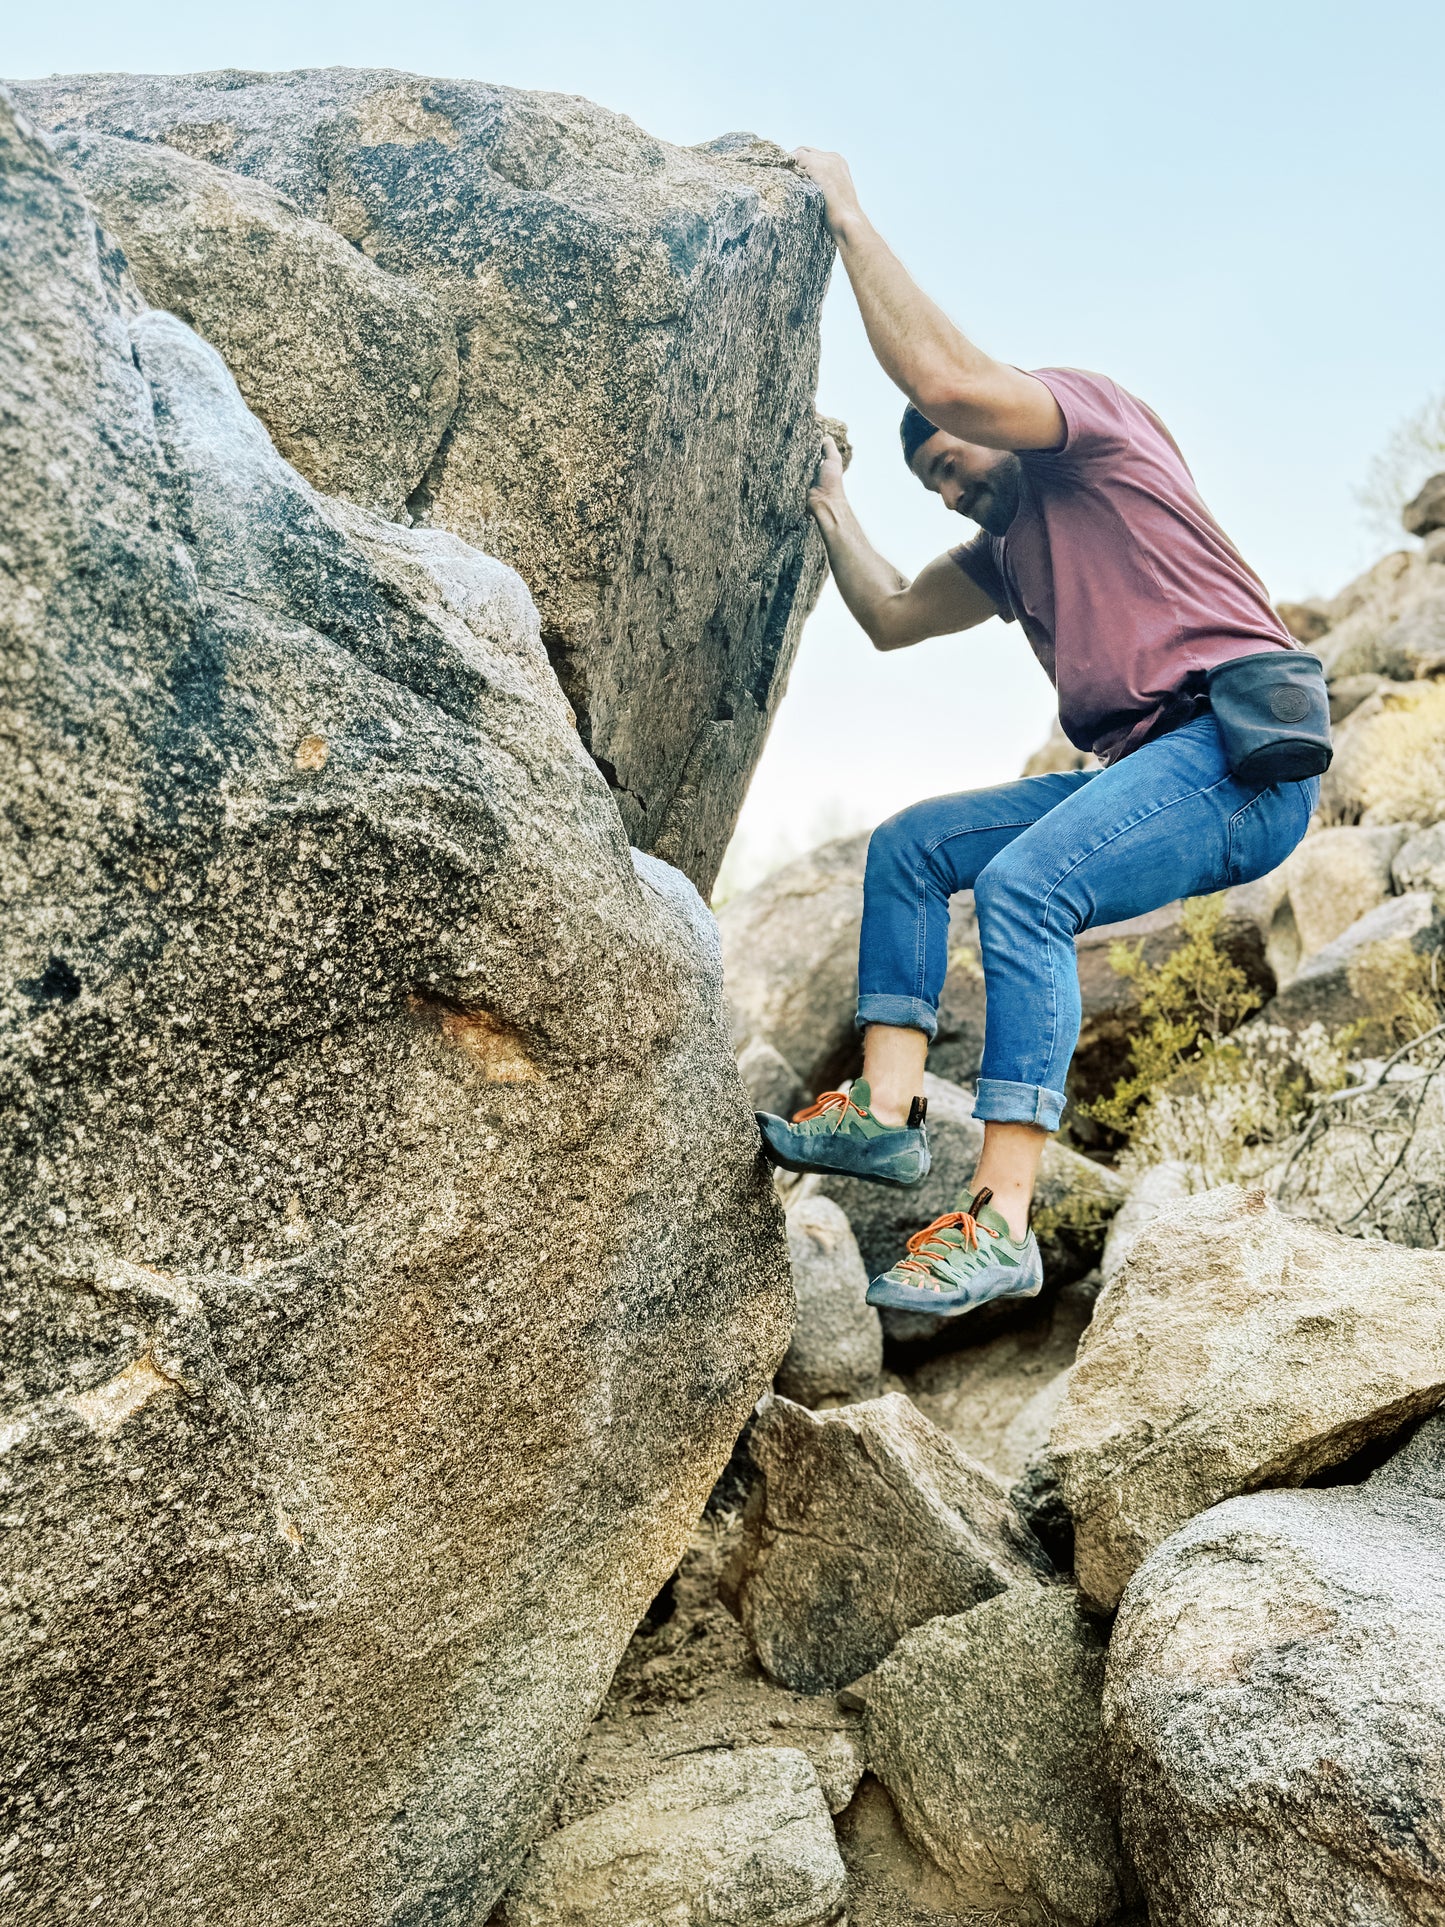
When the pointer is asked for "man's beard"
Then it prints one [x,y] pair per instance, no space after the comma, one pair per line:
[995,502]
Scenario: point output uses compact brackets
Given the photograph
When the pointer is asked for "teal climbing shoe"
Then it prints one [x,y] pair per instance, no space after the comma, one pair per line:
[961,1261]
[840,1137]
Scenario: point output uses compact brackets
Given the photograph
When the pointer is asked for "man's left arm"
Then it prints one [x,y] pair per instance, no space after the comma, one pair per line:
[955,384]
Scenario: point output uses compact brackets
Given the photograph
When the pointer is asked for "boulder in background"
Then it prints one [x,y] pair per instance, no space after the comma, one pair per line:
[1276,1713]
[865,1521]
[985,1728]
[790,958]
[836,1353]
[1361,974]
[1335,876]
[1236,1348]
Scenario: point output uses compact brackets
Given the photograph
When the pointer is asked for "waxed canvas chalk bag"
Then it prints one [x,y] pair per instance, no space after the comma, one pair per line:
[1273,713]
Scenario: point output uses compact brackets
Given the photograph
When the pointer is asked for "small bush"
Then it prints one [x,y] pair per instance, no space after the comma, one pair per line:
[1239,1108]
[1187,1006]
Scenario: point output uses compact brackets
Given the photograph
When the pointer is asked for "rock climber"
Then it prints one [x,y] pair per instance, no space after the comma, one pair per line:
[1092,537]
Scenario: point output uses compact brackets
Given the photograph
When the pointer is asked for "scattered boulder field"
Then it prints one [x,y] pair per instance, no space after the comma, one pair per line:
[447,1477]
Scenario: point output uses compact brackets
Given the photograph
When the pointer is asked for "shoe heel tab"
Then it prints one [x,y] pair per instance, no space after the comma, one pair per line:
[984,1197]
[917,1113]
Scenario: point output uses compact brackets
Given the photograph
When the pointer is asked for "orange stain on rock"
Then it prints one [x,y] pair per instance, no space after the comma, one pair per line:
[496,1049]
[312,752]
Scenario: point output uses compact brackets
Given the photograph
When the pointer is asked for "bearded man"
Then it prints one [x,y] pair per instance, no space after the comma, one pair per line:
[1093,538]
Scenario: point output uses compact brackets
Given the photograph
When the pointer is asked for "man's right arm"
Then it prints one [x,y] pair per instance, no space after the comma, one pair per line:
[892,611]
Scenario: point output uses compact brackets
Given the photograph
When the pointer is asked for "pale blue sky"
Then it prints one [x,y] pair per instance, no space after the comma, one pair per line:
[1233,210]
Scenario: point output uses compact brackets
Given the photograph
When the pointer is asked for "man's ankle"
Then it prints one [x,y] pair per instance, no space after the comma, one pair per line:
[1013,1210]
[892,1113]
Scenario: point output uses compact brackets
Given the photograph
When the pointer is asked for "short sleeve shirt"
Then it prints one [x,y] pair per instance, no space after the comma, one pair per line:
[1121,579]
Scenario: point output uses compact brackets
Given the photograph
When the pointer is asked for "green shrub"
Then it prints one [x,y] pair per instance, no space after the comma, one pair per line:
[1187,1006]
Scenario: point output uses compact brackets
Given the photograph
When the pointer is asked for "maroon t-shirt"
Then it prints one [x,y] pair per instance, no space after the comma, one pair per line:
[1117,573]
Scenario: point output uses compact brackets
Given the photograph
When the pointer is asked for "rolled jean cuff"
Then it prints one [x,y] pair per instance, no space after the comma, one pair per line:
[999,1102]
[904,1013]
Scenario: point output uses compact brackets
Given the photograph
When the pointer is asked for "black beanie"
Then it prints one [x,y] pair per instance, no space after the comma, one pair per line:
[914,430]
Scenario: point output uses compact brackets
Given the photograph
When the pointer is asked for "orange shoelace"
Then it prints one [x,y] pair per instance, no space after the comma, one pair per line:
[830,1101]
[921,1249]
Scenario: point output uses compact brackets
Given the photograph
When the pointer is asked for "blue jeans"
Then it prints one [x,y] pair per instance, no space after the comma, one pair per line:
[1046,857]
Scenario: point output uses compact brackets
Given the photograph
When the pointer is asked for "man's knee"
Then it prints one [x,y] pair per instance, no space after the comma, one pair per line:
[898,847]
[1011,892]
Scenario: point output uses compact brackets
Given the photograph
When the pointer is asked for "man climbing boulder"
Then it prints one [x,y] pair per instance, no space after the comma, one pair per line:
[1170,665]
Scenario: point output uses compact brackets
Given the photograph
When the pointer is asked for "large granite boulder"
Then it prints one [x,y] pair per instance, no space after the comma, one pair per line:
[1420,862]
[738,1837]
[1418,1466]
[387,1285]
[638,333]
[1275,1707]
[1236,1348]
[985,1728]
[1360,976]
[865,1521]
[352,370]
[1425,511]
[1388,622]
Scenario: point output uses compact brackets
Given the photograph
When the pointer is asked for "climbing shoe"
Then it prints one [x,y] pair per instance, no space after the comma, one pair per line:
[961,1261]
[840,1137]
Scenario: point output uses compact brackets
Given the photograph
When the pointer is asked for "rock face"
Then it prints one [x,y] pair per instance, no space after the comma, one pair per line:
[1276,1713]
[985,1729]
[739,1837]
[1420,862]
[1353,976]
[1236,1348]
[866,1521]
[790,955]
[1425,512]
[1335,877]
[836,1352]
[637,326]
[1388,622]
[1419,1465]
[352,370]
[324,1540]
